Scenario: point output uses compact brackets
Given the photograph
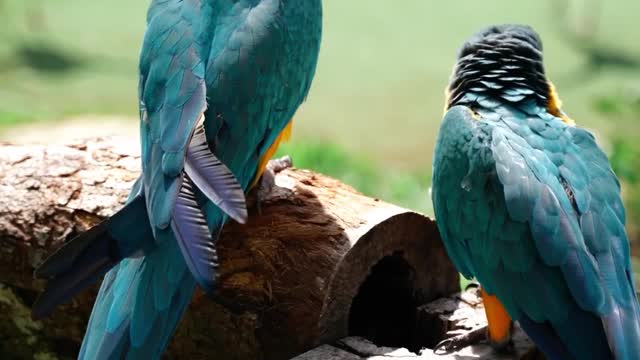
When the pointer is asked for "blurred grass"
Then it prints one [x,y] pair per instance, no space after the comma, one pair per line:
[376,102]
[404,188]
[382,69]
[625,160]
[635,265]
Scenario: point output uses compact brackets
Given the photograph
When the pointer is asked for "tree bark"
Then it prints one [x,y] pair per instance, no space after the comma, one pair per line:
[315,266]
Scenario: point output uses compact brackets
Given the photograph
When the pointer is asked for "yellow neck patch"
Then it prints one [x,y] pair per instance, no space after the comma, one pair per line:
[447,95]
[554,105]
[284,136]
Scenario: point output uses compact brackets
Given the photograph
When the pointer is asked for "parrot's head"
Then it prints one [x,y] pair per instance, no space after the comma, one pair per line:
[504,63]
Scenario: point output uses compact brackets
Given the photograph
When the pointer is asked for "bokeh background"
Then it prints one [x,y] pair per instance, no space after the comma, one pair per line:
[68,68]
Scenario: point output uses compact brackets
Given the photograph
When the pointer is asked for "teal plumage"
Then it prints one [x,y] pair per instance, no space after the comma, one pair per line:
[247,65]
[528,204]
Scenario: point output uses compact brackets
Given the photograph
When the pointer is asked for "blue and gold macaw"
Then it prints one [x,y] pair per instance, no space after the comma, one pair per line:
[219,84]
[527,203]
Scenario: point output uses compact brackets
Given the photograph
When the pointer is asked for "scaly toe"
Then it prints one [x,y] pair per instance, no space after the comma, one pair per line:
[468,338]
[266,184]
[268,179]
[277,165]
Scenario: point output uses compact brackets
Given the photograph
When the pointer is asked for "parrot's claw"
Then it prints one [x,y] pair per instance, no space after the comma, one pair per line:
[462,338]
[268,179]
[459,341]
[277,165]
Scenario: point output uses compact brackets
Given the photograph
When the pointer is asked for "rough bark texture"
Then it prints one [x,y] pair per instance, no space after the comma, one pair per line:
[458,312]
[300,274]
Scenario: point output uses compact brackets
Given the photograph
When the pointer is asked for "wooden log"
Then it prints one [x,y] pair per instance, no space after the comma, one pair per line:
[457,312]
[311,268]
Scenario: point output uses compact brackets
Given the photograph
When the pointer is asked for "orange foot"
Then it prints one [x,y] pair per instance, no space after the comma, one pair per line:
[500,325]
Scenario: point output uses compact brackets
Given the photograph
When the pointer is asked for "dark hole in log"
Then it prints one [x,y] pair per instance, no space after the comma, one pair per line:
[385,310]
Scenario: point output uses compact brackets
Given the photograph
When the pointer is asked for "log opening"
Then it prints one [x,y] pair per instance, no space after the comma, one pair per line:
[388,311]
[384,310]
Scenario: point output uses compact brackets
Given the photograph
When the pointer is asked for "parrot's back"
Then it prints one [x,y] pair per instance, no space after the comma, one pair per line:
[528,204]
[219,81]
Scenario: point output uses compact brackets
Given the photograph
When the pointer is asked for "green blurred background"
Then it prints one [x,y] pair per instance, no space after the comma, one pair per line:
[68,69]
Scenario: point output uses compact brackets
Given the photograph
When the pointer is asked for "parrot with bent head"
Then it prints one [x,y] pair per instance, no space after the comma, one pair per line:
[527,203]
[220,81]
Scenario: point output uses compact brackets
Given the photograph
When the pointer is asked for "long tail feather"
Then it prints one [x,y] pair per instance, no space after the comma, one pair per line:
[196,243]
[214,179]
[83,260]
[545,338]
[138,308]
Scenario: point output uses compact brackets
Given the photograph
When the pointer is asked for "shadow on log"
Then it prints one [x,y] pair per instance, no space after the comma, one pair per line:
[320,263]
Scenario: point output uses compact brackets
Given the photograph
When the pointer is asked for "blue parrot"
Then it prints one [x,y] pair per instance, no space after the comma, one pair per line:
[527,203]
[219,83]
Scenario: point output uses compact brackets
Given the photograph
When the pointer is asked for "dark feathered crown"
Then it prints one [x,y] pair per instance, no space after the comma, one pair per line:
[512,36]
[499,62]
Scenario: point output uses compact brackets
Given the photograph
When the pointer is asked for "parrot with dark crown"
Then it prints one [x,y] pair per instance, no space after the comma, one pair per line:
[220,81]
[527,203]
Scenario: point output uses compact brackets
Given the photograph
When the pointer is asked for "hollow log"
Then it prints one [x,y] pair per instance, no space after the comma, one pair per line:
[318,263]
